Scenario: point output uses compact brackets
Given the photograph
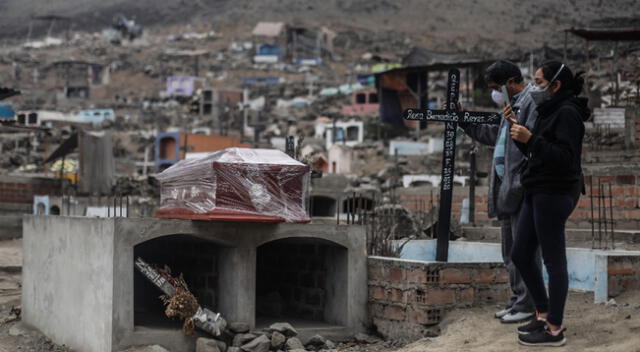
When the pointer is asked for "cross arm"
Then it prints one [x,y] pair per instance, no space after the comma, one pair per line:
[480,117]
[475,117]
[431,115]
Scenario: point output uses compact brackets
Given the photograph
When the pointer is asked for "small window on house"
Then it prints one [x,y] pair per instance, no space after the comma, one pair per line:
[373,98]
[361,98]
[352,133]
[41,209]
[339,135]
[33,119]
[421,183]
[167,148]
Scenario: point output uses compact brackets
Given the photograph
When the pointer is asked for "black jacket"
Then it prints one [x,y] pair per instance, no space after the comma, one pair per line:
[555,149]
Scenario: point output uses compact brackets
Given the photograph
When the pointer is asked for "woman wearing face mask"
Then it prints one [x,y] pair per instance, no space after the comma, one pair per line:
[552,179]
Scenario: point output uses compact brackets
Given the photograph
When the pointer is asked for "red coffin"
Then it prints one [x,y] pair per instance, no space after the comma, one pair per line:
[236,184]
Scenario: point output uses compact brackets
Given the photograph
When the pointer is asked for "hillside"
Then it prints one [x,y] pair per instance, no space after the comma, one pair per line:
[471,25]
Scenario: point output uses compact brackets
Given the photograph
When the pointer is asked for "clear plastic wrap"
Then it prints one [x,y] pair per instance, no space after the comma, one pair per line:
[240,184]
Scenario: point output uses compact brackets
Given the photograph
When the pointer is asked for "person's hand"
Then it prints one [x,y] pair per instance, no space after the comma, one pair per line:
[508,114]
[520,133]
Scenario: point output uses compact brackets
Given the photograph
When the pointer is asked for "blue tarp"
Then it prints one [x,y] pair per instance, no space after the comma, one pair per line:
[269,49]
[6,112]
[367,80]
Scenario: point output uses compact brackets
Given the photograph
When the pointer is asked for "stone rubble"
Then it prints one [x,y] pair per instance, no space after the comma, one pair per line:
[259,344]
[277,340]
[242,339]
[285,328]
[239,327]
[282,337]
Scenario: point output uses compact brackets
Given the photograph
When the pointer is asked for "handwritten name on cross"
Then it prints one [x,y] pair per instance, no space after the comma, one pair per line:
[451,117]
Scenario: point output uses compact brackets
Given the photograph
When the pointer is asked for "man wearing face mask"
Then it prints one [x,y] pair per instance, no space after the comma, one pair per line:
[505,191]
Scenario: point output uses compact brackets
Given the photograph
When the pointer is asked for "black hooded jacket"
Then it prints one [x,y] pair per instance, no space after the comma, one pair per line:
[555,148]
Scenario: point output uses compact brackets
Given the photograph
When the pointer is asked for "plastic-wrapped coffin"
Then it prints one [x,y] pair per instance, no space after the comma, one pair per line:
[236,184]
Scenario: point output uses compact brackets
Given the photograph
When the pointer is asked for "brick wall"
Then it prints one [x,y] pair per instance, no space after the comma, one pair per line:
[625,190]
[15,189]
[623,274]
[406,298]
[411,199]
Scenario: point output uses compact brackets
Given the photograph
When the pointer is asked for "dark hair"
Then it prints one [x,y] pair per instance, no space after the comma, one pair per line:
[570,82]
[501,71]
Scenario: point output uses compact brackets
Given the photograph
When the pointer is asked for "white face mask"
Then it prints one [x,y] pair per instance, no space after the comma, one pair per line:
[497,97]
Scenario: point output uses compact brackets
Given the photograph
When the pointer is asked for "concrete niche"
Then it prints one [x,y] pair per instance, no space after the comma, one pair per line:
[81,289]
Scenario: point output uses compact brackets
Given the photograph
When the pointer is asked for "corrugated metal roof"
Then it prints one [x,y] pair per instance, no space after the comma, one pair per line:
[268,29]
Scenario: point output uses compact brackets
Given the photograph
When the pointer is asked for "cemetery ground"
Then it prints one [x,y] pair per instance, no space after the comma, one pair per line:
[613,327]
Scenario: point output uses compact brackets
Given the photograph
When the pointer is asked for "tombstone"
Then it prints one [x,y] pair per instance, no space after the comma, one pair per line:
[451,116]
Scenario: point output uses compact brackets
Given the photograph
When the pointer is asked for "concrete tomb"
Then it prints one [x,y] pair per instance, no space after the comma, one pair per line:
[81,289]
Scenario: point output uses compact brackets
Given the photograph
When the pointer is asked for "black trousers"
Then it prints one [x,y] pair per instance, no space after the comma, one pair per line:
[542,222]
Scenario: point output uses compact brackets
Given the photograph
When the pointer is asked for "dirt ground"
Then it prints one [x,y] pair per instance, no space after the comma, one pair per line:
[590,327]
[614,327]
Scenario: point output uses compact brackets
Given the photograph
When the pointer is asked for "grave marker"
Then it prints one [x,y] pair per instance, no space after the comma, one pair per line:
[451,117]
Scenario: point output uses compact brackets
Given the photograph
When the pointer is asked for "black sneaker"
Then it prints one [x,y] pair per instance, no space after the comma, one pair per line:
[533,325]
[542,338]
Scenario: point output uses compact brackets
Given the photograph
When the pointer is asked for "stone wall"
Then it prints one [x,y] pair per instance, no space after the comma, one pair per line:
[407,297]
[623,274]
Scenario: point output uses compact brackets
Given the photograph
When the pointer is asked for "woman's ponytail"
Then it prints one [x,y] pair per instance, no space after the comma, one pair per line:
[578,83]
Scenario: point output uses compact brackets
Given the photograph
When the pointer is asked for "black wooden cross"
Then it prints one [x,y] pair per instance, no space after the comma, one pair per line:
[451,116]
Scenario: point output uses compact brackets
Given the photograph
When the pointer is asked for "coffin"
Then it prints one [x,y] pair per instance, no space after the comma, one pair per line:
[236,184]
